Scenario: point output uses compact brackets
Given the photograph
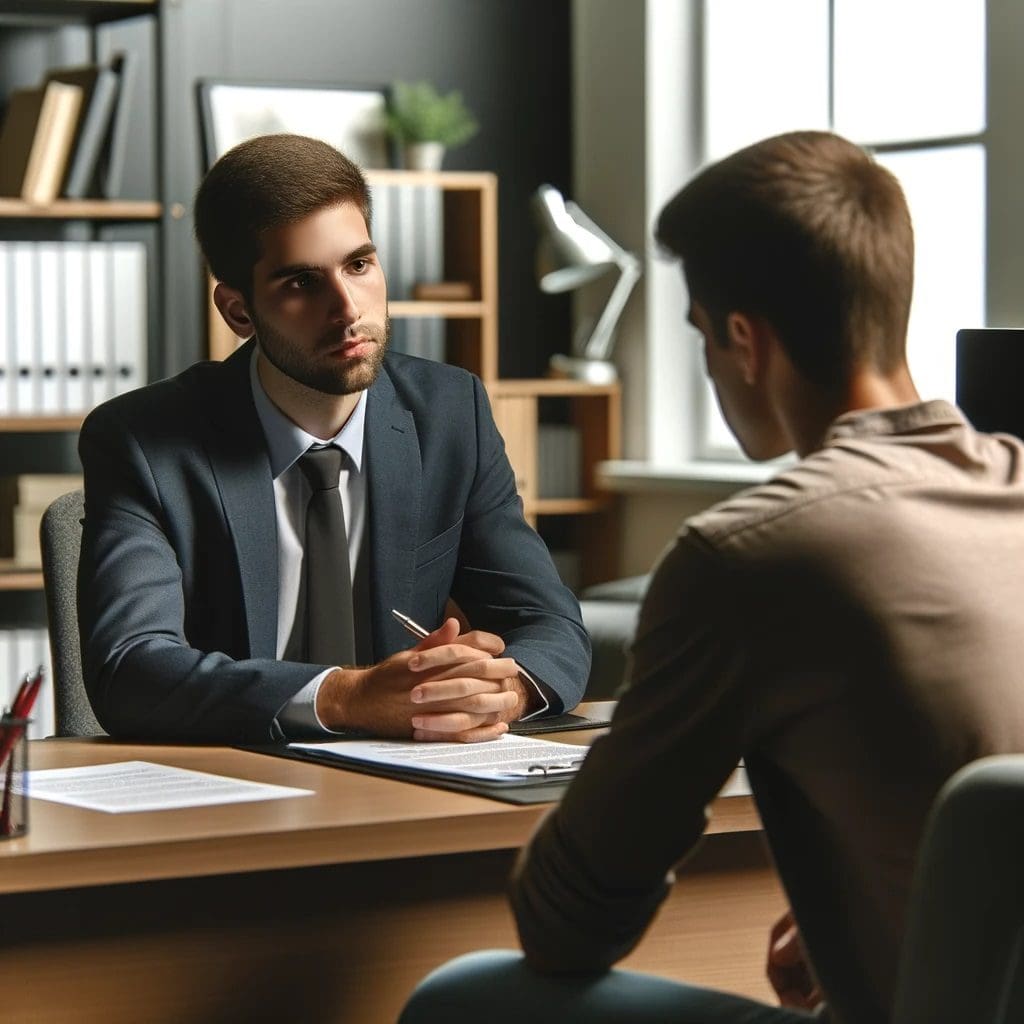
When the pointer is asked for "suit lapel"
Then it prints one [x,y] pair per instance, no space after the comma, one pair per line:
[394,493]
[241,467]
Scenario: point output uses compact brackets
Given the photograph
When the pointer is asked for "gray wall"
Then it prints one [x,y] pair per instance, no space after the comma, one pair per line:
[509,58]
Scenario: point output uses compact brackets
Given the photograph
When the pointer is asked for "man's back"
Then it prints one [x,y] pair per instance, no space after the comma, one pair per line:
[877,591]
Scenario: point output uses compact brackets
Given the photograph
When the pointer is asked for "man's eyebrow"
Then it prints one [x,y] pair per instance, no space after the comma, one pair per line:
[290,269]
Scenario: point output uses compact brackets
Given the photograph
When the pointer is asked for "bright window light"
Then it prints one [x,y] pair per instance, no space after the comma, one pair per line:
[909,69]
[766,70]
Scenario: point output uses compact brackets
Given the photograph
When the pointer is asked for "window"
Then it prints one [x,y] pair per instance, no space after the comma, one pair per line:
[904,78]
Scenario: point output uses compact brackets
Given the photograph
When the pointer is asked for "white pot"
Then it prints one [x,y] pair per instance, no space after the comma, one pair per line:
[423,156]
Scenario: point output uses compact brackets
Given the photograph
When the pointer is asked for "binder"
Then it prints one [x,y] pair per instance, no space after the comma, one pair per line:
[48,319]
[127,315]
[113,158]
[8,369]
[75,327]
[26,337]
[98,289]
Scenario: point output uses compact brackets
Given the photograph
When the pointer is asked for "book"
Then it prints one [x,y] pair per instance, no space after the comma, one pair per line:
[112,160]
[18,138]
[99,87]
[58,122]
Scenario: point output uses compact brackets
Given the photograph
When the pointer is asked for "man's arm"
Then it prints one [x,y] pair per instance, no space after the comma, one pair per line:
[506,582]
[600,864]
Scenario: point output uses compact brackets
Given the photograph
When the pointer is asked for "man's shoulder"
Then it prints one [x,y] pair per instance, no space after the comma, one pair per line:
[429,384]
[813,489]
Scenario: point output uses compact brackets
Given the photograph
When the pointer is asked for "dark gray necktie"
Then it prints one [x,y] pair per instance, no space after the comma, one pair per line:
[329,632]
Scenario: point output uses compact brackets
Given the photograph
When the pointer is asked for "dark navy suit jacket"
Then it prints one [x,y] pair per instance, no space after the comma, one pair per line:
[178,575]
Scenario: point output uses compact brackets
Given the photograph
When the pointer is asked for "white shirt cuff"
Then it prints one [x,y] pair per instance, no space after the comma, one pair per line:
[298,718]
[527,678]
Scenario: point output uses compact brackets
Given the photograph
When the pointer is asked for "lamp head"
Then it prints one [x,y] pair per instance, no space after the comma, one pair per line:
[570,254]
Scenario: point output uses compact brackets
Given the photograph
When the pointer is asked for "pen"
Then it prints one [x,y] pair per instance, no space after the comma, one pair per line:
[412,626]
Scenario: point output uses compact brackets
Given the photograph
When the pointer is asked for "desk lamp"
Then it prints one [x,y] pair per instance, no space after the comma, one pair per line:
[573,250]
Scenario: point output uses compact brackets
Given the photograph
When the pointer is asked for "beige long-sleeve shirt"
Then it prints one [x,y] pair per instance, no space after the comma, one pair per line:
[855,630]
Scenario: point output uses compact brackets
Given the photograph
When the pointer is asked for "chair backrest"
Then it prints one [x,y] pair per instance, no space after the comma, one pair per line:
[963,956]
[60,535]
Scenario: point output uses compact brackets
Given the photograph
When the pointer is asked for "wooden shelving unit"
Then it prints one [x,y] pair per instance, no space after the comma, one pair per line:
[14,578]
[81,209]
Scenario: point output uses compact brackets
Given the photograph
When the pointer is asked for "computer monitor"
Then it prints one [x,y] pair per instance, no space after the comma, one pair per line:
[990,378]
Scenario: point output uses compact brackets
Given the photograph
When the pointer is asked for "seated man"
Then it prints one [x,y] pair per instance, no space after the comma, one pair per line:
[251,525]
[854,628]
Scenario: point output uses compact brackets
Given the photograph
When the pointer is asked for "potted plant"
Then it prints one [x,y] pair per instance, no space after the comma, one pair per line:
[424,123]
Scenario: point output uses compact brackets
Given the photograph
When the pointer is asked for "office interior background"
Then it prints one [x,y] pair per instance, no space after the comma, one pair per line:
[615,104]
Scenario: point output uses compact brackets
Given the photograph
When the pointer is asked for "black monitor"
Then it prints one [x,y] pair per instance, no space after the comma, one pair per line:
[990,378]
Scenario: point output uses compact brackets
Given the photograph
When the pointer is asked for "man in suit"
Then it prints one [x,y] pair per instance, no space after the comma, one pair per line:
[853,628]
[205,612]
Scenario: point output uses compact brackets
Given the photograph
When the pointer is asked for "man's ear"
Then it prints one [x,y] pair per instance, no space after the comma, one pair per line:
[233,308]
[748,336]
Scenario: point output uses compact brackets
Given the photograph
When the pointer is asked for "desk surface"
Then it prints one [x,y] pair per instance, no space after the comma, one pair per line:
[349,818]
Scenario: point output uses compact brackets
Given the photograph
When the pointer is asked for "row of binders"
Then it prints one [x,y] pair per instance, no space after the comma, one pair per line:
[67,136]
[73,324]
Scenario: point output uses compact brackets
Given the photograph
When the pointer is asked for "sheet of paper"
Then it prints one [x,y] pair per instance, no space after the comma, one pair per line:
[143,786]
[508,759]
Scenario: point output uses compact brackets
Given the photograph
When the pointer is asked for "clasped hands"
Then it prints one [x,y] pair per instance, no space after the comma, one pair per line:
[450,686]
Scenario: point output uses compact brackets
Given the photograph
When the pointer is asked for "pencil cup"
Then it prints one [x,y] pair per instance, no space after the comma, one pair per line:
[13,778]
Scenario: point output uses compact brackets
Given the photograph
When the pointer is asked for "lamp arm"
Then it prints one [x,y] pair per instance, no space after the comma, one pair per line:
[599,344]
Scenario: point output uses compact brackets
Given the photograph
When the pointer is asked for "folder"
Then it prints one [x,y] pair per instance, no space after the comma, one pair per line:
[75,310]
[111,171]
[26,336]
[101,351]
[8,367]
[48,320]
[128,315]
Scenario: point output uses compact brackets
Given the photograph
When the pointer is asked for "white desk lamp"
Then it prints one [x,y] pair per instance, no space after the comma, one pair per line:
[573,250]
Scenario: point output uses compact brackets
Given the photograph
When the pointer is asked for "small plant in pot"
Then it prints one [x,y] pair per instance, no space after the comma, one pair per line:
[424,123]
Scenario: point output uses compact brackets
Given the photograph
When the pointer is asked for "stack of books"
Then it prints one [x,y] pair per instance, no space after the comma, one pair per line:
[73,325]
[23,500]
[66,137]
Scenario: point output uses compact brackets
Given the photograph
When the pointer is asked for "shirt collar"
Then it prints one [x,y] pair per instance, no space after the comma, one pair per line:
[287,442]
[902,419]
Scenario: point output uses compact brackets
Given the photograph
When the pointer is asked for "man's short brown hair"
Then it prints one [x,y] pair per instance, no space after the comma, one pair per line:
[809,232]
[263,183]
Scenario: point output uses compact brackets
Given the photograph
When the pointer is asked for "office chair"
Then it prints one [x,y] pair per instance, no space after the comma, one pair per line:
[963,954]
[60,535]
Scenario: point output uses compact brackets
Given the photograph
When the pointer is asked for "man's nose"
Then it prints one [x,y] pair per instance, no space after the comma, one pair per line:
[344,306]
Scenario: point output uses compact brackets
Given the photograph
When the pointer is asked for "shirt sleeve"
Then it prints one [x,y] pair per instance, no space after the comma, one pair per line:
[545,703]
[601,862]
[298,718]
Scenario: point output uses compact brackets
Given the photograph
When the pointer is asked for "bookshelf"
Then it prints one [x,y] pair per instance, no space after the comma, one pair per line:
[581,520]
[36,36]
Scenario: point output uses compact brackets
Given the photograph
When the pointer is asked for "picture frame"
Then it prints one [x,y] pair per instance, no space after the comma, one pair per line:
[352,118]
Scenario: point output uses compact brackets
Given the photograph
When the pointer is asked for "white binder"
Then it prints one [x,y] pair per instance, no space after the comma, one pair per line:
[101,338]
[128,315]
[48,320]
[8,367]
[26,336]
[74,361]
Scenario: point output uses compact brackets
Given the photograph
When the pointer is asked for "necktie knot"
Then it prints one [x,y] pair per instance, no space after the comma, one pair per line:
[322,467]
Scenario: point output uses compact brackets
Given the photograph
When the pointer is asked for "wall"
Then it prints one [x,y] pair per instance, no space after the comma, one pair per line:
[509,60]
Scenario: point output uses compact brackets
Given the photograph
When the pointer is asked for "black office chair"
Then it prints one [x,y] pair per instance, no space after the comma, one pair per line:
[60,535]
[963,955]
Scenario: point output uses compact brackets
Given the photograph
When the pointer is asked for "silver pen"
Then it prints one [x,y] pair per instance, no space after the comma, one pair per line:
[410,624]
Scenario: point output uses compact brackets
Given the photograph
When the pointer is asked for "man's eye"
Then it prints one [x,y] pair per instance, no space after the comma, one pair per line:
[360,265]
[303,281]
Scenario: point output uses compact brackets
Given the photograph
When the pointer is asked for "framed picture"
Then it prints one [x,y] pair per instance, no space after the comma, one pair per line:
[350,118]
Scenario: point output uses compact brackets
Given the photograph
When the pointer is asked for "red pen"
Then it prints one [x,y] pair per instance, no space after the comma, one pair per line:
[22,707]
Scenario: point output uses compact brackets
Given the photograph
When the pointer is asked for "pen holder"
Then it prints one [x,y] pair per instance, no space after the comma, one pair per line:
[13,768]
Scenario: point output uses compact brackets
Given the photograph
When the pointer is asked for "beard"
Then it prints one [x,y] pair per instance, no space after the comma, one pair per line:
[319,371]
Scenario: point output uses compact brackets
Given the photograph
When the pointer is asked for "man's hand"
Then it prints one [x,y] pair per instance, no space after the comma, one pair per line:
[448,687]
[788,968]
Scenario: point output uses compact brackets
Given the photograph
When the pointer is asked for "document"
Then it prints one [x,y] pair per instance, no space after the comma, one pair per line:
[142,786]
[511,760]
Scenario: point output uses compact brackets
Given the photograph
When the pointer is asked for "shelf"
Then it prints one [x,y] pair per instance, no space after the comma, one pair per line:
[40,424]
[453,310]
[93,12]
[472,180]
[550,387]
[84,209]
[564,506]
[12,578]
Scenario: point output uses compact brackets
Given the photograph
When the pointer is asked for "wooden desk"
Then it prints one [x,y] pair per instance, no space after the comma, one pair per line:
[321,908]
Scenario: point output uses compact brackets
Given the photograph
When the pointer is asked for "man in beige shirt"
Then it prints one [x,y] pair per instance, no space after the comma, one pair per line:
[853,628]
